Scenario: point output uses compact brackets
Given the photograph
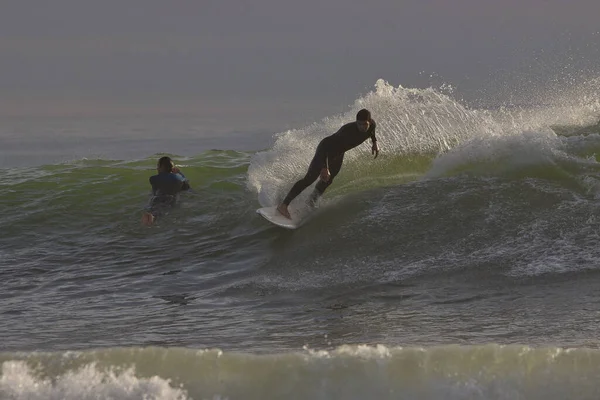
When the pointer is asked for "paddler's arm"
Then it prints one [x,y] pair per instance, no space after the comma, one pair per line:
[154,184]
[185,181]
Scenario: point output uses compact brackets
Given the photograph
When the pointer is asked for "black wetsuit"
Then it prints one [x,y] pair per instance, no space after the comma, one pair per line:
[330,154]
[165,190]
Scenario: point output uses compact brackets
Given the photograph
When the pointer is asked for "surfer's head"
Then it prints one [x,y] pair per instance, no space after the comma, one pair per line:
[363,120]
[165,164]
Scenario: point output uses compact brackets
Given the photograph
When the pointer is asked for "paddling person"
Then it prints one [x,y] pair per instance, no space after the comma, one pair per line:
[329,156]
[166,186]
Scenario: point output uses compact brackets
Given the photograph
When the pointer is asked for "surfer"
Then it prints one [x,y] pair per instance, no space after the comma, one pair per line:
[327,162]
[166,186]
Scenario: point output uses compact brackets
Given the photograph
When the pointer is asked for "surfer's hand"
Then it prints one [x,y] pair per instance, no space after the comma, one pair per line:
[375,150]
[325,175]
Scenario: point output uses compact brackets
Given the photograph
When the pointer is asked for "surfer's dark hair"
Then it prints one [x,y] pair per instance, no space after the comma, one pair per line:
[363,115]
[165,163]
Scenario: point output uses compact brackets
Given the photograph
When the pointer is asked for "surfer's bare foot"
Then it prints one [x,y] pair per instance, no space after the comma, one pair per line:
[147,219]
[283,210]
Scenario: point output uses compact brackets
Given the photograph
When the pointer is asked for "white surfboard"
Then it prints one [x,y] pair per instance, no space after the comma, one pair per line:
[273,216]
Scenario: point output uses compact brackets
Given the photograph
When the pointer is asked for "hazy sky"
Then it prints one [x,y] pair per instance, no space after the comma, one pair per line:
[232,58]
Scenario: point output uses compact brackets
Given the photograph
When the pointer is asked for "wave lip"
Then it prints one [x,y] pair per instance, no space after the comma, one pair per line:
[411,123]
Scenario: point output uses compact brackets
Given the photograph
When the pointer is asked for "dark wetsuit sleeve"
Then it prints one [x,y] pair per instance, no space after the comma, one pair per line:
[323,151]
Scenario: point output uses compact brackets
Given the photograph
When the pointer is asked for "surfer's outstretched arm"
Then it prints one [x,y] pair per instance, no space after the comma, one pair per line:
[374,147]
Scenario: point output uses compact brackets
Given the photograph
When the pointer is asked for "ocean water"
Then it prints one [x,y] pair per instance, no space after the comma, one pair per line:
[462,263]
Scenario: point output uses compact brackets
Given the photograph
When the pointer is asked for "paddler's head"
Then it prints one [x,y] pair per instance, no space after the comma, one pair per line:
[165,164]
